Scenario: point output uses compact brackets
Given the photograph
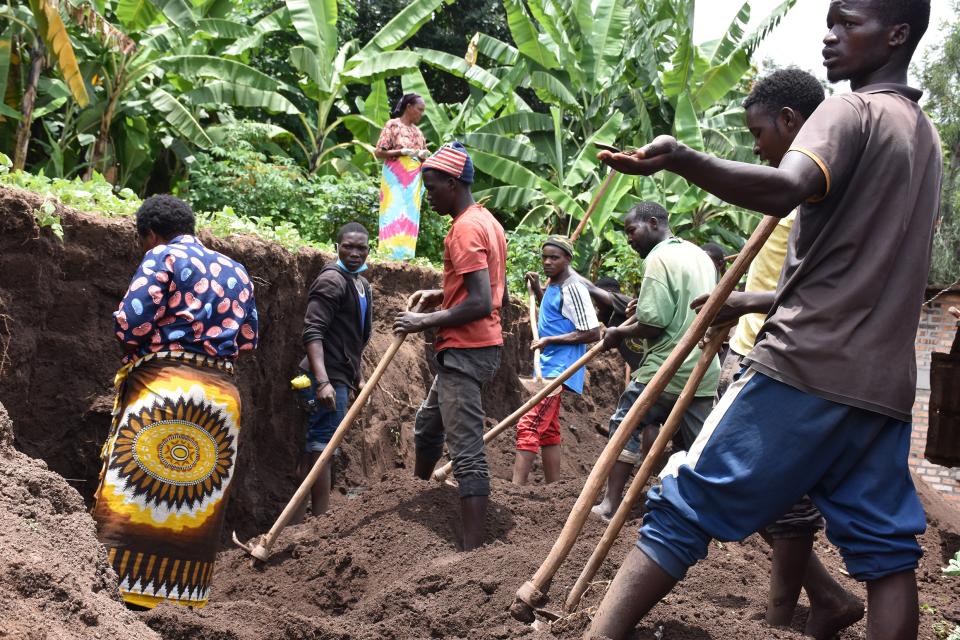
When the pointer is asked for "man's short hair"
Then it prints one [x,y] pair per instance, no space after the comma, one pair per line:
[790,87]
[647,209]
[608,284]
[714,250]
[915,13]
[165,215]
[351,227]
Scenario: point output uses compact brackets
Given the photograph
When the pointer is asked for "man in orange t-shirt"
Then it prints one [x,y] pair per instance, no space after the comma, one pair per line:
[469,339]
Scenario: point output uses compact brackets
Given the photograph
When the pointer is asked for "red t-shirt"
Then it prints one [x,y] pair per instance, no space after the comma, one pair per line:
[475,241]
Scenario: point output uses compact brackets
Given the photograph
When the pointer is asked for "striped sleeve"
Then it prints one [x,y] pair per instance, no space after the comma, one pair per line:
[577,306]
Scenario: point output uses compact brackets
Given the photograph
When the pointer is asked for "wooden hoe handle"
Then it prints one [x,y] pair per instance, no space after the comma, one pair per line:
[531,594]
[535,330]
[646,469]
[262,549]
[441,474]
[593,205]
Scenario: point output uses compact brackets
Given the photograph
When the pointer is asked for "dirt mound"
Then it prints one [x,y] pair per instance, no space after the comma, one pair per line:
[55,581]
[384,565]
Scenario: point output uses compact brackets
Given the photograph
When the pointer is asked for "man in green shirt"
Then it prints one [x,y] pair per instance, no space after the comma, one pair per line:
[675,273]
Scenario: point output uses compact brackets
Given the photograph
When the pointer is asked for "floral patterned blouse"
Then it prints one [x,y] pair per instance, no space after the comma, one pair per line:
[397,135]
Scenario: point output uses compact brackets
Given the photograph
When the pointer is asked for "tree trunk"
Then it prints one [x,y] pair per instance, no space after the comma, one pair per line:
[26,109]
[103,136]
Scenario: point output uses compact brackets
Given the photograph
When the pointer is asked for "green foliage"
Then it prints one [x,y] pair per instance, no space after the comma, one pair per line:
[940,73]
[523,255]
[47,218]
[623,263]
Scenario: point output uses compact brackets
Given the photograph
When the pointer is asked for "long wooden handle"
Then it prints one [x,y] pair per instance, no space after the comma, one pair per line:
[643,474]
[441,474]
[262,550]
[531,593]
[535,330]
[593,205]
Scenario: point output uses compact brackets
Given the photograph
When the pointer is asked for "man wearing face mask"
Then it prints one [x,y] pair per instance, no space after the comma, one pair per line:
[336,328]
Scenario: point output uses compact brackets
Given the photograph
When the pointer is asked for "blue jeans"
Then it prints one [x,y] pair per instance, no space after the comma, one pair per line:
[765,445]
[322,422]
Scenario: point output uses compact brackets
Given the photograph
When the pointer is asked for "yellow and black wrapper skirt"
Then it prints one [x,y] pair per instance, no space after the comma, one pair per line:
[167,467]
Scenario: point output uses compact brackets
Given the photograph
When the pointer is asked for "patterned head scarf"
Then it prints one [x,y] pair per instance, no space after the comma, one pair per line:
[452,159]
[560,242]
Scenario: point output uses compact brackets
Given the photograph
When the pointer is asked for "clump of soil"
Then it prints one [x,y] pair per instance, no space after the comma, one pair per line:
[55,581]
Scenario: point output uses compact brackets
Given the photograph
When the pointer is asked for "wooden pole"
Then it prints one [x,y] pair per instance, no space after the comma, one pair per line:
[535,330]
[531,594]
[635,492]
[441,474]
[262,550]
[593,205]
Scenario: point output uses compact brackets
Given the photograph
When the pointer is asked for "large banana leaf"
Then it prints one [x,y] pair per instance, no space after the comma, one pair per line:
[552,90]
[503,146]
[239,95]
[769,23]
[227,29]
[136,15]
[721,79]
[179,118]
[316,22]
[527,36]
[217,68]
[305,61]
[586,161]
[364,129]
[733,36]
[516,174]
[388,63]
[525,121]
[604,45]
[54,33]
[437,126]
[686,124]
[676,79]
[497,50]
[377,105]
[476,75]
[508,198]
[178,12]
[271,22]
[401,27]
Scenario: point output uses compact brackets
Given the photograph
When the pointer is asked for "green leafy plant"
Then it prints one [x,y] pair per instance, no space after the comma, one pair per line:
[953,567]
[47,218]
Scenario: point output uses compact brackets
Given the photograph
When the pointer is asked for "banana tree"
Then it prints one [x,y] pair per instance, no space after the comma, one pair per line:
[37,31]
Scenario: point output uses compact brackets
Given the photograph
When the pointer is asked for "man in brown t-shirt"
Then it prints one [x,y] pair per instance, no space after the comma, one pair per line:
[824,405]
[469,339]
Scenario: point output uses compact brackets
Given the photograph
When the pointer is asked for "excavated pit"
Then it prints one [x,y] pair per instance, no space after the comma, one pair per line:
[382,563]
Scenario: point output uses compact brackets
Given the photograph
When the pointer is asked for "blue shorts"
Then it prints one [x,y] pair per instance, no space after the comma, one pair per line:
[322,422]
[765,445]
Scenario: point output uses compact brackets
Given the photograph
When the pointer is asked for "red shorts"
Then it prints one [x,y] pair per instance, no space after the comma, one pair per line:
[540,427]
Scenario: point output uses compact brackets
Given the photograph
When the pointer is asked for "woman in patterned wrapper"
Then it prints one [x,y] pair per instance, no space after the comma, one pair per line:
[169,459]
[401,147]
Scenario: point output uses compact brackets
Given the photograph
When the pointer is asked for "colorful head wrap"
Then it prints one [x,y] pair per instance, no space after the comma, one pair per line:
[452,159]
[560,242]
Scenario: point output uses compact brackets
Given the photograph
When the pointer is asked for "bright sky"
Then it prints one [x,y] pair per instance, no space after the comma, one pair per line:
[797,40]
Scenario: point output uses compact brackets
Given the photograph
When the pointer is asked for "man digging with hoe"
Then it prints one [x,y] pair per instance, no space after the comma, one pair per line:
[469,339]
[824,405]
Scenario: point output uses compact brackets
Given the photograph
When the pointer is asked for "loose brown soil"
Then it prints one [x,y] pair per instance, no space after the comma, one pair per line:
[383,562]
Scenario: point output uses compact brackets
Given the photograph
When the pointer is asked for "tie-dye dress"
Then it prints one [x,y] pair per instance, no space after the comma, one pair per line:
[401,189]
[169,459]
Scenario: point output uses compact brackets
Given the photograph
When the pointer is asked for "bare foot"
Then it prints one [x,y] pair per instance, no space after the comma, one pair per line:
[828,619]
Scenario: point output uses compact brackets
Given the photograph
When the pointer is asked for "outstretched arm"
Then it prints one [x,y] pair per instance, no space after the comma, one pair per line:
[774,191]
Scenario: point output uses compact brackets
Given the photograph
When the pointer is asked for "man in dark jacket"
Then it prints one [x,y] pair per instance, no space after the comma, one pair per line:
[336,328]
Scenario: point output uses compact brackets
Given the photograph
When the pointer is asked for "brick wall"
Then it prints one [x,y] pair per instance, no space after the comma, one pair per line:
[936,333]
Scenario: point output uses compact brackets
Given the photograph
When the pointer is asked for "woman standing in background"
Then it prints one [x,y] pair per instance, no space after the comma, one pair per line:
[401,146]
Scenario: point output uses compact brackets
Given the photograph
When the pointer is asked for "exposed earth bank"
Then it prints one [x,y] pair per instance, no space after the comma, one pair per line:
[383,562]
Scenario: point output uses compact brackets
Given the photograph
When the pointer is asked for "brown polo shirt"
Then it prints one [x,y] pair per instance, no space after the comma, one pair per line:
[845,317]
